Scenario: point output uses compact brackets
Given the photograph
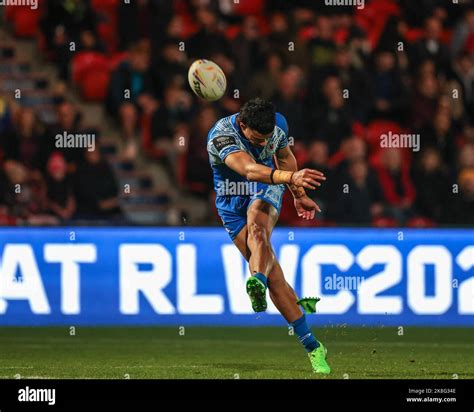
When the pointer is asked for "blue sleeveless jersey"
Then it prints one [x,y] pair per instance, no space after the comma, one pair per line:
[234,193]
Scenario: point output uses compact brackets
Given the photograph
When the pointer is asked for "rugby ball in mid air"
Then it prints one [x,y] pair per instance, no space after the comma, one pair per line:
[207,80]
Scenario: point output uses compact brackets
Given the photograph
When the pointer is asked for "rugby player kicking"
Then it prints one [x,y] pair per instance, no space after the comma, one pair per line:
[242,148]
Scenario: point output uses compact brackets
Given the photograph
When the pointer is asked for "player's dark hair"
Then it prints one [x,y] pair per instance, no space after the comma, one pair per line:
[259,115]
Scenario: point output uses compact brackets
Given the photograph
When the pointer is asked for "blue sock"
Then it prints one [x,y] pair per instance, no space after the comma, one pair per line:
[304,333]
[262,277]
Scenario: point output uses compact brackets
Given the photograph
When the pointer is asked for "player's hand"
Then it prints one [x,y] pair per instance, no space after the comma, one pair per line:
[308,178]
[306,207]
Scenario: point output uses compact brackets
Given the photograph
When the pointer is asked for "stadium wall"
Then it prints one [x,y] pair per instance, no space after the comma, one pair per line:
[195,276]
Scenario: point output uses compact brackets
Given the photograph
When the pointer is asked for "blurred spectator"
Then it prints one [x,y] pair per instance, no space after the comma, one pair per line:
[288,100]
[132,80]
[468,132]
[363,199]
[144,19]
[389,90]
[282,40]
[87,41]
[331,120]
[26,194]
[247,49]
[141,19]
[231,101]
[463,36]
[322,46]
[439,134]
[352,149]
[198,175]
[356,82]
[464,73]
[25,142]
[133,18]
[208,40]
[466,157]
[169,122]
[174,29]
[264,83]
[61,199]
[63,24]
[318,159]
[5,218]
[321,52]
[393,33]
[431,47]
[69,121]
[460,207]
[96,189]
[417,12]
[424,102]
[432,182]
[173,64]
[65,20]
[396,183]
[5,116]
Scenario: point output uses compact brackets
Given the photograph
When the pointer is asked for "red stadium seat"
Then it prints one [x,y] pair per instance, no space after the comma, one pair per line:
[358,129]
[107,32]
[447,37]
[10,12]
[105,5]
[384,222]
[336,158]
[287,212]
[373,17]
[94,85]
[300,152]
[249,7]
[307,33]
[420,222]
[83,62]
[107,28]
[232,32]
[263,25]
[190,26]
[341,35]
[413,34]
[377,128]
[180,7]
[26,22]
[91,74]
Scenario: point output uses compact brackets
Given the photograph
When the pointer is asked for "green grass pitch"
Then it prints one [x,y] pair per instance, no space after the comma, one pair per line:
[233,352]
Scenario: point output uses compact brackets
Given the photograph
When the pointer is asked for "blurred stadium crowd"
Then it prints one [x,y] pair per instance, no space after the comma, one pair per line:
[342,76]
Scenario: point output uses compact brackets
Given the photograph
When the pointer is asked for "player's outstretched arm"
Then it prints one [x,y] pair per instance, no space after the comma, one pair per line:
[246,166]
[305,207]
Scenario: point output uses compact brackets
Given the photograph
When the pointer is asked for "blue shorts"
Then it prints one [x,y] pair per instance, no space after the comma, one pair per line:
[233,209]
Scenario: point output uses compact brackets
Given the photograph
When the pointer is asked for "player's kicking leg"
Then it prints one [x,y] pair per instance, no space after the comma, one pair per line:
[253,241]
